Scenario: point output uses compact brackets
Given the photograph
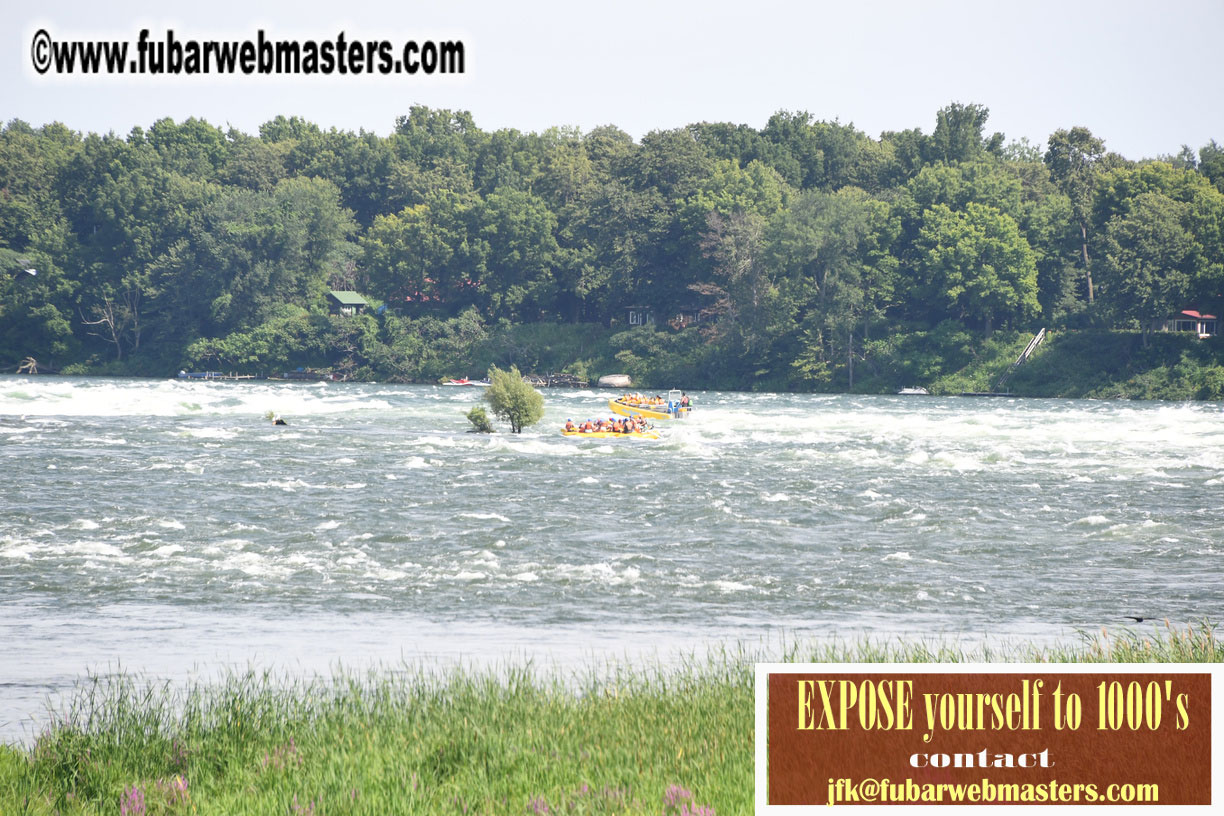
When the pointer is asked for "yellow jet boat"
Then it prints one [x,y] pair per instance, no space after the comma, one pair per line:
[651,411]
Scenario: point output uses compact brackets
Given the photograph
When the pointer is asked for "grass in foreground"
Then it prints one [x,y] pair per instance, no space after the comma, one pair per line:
[655,741]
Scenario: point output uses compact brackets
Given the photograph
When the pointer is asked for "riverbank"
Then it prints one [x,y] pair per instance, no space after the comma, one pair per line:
[1068,364]
[1086,364]
[510,741]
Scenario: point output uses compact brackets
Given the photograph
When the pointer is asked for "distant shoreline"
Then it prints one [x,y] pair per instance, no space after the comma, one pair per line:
[1070,365]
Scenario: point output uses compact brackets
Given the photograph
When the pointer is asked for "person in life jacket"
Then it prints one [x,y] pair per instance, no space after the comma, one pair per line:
[569,425]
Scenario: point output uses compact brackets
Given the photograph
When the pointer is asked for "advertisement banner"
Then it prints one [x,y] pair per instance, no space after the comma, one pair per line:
[908,734]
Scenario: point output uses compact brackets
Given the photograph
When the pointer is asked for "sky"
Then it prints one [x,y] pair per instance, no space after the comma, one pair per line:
[1144,76]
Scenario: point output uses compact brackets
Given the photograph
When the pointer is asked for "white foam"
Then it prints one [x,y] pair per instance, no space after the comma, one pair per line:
[731,586]
[255,565]
[287,485]
[484,516]
[601,573]
[385,574]
[95,548]
[210,433]
[1092,521]
[64,396]
[22,551]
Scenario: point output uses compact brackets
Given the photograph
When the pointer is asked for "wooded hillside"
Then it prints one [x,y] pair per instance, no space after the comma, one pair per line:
[803,255]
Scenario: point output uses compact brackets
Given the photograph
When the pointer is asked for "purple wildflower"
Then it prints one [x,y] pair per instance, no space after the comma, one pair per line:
[678,801]
[132,803]
[282,756]
[675,796]
[307,809]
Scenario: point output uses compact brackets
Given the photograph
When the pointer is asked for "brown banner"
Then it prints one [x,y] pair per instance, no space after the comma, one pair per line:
[1050,737]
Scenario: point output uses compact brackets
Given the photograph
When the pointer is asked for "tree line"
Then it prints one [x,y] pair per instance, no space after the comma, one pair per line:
[801,250]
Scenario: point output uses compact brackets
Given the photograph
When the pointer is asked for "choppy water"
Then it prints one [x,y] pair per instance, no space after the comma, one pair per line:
[167,526]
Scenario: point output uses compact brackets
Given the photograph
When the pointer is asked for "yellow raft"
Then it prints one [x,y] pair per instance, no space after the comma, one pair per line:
[611,435]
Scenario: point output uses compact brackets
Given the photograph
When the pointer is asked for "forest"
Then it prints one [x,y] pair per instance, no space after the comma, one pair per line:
[802,256]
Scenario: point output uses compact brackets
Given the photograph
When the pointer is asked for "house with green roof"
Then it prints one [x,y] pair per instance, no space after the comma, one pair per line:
[346,303]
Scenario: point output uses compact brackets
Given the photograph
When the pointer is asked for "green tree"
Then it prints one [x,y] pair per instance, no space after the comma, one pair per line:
[958,133]
[1147,259]
[254,163]
[833,250]
[571,184]
[1072,157]
[404,255]
[905,155]
[434,138]
[976,265]
[520,233]
[480,420]
[1211,163]
[512,399]
[250,254]
[195,148]
[1130,200]
[741,286]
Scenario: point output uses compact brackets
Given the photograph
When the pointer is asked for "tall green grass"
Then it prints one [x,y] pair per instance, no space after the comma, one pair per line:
[511,740]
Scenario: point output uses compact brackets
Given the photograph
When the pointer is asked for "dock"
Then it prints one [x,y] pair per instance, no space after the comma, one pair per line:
[1002,381]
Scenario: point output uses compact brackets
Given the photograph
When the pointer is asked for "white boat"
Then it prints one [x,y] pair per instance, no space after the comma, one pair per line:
[614,381]
[914,391]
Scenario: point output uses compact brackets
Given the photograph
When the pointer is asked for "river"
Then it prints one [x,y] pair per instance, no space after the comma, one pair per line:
[168,528]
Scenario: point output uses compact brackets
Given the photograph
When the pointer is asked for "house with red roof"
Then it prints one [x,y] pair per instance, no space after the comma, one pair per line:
[1189,320]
